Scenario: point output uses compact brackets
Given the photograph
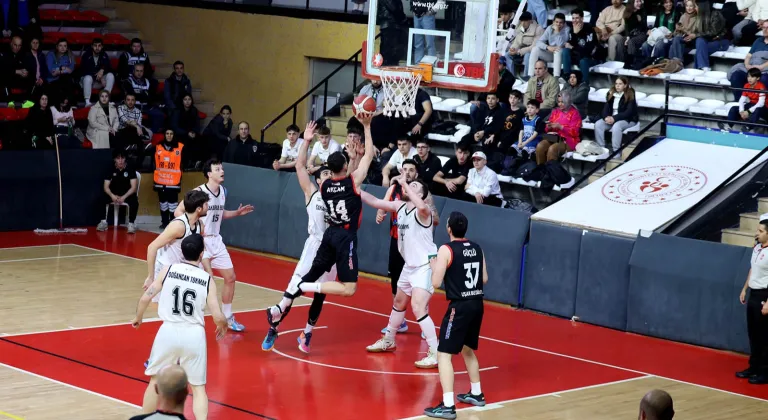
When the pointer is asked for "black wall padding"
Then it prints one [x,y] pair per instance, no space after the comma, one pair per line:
[29,187]
[292,223]
[82,179]
[373,239]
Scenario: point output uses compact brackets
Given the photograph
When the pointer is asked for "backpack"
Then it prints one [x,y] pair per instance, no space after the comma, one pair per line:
[525,170]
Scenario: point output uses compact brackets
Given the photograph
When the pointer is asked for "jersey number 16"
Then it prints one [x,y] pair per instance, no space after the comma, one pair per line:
[187,301]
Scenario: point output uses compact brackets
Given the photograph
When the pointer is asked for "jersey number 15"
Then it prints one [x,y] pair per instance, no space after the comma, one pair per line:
[187,301]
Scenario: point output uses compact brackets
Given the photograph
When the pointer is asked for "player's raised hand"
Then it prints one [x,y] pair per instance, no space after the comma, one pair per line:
[136,323]
[365,118]
[244,209]
[309,131]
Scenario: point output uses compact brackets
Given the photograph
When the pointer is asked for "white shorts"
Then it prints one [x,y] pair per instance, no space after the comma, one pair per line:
[307,257]
[182,344]
[420,277]
[216,251]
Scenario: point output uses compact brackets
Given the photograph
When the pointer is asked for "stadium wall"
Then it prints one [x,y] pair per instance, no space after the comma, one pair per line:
[257,64]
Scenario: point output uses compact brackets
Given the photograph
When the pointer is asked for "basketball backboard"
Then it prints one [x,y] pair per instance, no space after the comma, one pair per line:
[458,37]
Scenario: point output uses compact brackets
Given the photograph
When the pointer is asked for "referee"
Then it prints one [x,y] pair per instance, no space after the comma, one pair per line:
[461,263]
[757,308]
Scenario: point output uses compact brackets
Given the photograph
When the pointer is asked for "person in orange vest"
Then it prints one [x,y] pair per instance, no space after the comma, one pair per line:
[168,175]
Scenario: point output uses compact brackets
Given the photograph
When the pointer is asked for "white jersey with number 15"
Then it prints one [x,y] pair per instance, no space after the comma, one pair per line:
[212,221]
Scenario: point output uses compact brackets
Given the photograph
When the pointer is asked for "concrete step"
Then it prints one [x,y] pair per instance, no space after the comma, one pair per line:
[118,25]
[597,175]
[163,69]
[738,237]
[342,140]
[347,112]
[613,164]
[156,57]
[197,95]
[93,4]
[148,48]
[627,151]
[106,11]
[207,107]
[338,125]
[749,221]
[762,205]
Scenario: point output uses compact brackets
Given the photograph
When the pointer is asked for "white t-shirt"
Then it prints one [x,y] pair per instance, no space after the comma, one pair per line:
[397,158]
[322,154]
[291,153]
[758,277]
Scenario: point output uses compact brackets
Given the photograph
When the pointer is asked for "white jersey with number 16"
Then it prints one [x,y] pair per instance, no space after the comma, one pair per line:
[212,220]
[184,294]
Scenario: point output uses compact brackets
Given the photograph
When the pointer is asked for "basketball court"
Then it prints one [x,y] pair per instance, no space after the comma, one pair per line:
[66,346]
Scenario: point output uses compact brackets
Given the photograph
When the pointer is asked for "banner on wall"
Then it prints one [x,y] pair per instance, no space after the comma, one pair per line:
[650,190]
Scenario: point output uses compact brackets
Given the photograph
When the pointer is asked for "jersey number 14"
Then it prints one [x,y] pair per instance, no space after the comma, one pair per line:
[340,209]
[186,302]
[472,274]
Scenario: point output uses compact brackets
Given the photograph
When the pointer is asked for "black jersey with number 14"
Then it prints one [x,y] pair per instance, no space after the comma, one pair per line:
[343,202]
[464,275]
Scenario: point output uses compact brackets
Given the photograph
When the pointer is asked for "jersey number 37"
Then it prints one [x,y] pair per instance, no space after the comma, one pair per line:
[472,274]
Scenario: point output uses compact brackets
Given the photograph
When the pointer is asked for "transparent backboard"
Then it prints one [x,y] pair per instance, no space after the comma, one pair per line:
[458,38]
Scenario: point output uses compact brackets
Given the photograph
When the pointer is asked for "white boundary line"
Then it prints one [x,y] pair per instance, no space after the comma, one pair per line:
[34,246]
[53,258]
[70,386]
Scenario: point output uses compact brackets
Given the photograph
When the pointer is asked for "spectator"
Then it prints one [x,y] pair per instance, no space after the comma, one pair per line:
[423,18]
[290,151]
[510,131]
[548,48]
[506,12]
[751,105]
[610,29]
[532,130]
[133,56]
[757,57]
[482,183]
[185,123]
[543,88]
[404,151]
[419,124]
[578,90]
[619,113]
[581,46]
[527,35]
[686,31]
[427,164]
[130,133]
[176,86]
[538,9]
[712,37]
[103,122]
[38,126]
[219,130]
[35,63]
[666,19]
[489,122]
[383,128]
[63,121]
[450,180]
[242,149]
[636,27]
[16,73]
[565,122]
[20,17]
[744,31]
[141,89]
[61,66]
[167,176]
[393,25]
[506,82]
[120,186]
[656,405]
[96,70]
[322,148]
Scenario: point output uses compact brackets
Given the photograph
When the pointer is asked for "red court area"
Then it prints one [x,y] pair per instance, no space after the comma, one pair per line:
[523,354]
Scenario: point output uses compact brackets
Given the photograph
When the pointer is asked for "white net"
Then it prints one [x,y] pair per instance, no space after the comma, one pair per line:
[400,88]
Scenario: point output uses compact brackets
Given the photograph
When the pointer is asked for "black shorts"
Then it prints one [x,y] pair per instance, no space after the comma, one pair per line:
[339,246]
[396,263]
[461,326]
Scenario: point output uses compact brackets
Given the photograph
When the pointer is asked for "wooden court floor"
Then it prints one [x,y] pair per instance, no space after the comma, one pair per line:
[67,351]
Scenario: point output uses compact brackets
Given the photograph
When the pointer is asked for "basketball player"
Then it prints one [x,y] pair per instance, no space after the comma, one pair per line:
[460,262]
[184,291]
[415,244]
[316,212]
[341,195]
[216,255]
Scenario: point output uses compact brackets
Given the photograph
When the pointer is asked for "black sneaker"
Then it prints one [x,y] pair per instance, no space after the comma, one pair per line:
[441,412]
[759,380]
[745,374]
[469,398]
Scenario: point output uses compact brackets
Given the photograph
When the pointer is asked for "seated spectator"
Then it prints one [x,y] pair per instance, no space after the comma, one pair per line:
[219,131]
[322,149]
[490,122]
[130,133]
[581,46]
[167,176]
[578,91]
[506,81]
[744,31]
[751,105]
[35,63]
[61,66]
[532,130]
[141,89]
[185,123]
[176,86]
[636,28]
[543,88]
[513,122]
[482,183]
[527,34]
[290,151]
[757,57]
[427,164]
[610,29]
[450,180]
[539,10]
[395,163]
[565,122]
[686,31]
[619,113]
[96,70]
[120,185]
[103,122]
[20,17]
[548,48]
[242,149]
[133,56]
[16,75]
[667,18]
[63,121]
[712,37]
[38,126]
[419,124]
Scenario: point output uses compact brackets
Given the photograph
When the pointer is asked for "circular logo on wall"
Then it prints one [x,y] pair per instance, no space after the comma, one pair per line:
[654,185]
[459,70]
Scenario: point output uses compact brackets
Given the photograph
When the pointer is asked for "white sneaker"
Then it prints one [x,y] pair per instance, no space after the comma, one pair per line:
[102,226]
[381,346]
[428,362]
[131,228]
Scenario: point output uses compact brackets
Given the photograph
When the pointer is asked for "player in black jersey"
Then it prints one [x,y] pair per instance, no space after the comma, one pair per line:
[461,262]
[341,195]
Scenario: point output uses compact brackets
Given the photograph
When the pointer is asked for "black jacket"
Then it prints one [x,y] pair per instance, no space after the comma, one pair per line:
[241,152]
[390,14]
[216,129]
[183,121]
[89,67]
[583,43]
[174,90]
[627,110]
[490,121]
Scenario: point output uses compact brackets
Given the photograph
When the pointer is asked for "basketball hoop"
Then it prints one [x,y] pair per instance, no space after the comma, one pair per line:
[401,85]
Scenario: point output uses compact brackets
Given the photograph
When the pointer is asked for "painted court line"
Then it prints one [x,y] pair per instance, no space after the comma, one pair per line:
[53,258]
[10,416]
[71,386]
[34,246]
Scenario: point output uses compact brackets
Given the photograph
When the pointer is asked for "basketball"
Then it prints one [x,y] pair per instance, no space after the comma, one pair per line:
[378,60]
[363,104]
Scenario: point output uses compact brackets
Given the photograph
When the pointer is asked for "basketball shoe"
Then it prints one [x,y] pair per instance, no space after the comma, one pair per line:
[383,345]
[269,340]
[303,340]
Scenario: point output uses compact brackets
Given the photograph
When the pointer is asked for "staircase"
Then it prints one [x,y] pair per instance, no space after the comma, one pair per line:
[745,234]
[615,162]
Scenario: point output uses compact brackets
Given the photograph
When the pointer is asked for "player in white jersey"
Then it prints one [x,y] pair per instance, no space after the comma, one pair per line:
[216,255]
[416,245]
[316,212]
[184,291]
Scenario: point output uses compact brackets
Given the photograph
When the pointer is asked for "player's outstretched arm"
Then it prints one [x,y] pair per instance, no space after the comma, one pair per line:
[439,265]
[147,296]
[242,210]
[485,271]
[378,203]
[179,209]
[171,232]
[365,162]
[213,305]
[301,161]
[431,203]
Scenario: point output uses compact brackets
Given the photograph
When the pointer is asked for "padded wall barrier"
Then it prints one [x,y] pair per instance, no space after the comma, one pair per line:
[373,239]
[292,222]
[82,182]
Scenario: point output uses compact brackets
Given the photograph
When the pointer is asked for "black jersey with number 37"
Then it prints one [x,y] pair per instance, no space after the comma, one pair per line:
[343,203]
[464,275]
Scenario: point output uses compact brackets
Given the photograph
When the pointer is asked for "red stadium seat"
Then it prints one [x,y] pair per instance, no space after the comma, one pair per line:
[87,144]
[22,113]
[81,114]
[8,114]
[116,40]
[202,115]
[94,16]
[157,138]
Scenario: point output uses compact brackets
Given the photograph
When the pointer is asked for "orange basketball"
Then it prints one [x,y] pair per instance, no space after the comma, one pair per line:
[363,104]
